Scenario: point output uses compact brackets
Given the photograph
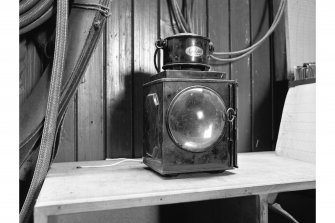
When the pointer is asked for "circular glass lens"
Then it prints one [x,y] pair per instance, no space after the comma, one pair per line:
[196,118]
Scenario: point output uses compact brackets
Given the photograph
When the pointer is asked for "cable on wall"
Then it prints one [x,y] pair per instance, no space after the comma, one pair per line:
[252,48]
[244,52]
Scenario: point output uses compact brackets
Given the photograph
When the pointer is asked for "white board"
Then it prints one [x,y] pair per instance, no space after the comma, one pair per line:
[296,137]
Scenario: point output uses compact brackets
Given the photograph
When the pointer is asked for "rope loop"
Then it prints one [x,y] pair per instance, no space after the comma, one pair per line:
[104,10]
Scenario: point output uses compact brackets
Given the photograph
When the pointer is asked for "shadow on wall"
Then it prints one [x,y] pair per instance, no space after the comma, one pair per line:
[124,130]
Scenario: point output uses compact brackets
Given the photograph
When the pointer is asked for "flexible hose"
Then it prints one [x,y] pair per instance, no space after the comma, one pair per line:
[187,13]
[46,16]
[69,88]
[177,17]
[269,32]
[181,17]
[48,135]
[25,5]
[39,9]
[255,46]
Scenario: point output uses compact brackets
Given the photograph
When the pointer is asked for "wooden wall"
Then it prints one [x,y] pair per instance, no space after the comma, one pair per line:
[105,117]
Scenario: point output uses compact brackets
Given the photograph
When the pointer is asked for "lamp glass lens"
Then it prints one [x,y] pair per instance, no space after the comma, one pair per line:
[196,119]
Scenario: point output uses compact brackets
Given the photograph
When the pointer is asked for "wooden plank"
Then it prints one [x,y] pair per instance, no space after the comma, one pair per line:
[69,189]
[23,68]
[40,217]
[279,46]
[279,66]
[262,208]
[145,35]
[31,68]
[218,31]
[91,109]
[261,78]
[149,214]
[119,80]
[297,133]
[67,145]
[240,70]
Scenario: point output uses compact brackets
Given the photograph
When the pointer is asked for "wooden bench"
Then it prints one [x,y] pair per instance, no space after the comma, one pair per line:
[68,189]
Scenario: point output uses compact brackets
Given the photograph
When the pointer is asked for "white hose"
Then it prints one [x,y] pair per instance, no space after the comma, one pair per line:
[252,48]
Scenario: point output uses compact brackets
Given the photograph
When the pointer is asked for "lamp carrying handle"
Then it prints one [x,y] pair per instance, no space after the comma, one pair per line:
[160,44]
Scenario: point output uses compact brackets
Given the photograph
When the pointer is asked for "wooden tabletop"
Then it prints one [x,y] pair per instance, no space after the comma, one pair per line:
[68,189]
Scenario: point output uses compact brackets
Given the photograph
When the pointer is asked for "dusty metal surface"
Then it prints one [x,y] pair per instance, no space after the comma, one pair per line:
[162,150]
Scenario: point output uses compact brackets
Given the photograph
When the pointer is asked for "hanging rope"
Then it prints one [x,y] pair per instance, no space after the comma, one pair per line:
[34,13]
[48,135]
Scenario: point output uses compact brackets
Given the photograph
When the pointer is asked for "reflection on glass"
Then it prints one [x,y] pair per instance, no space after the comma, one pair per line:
[208,132]
[196,118]
[200,115]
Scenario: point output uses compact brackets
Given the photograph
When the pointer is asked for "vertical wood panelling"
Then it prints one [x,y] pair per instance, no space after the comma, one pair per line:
[261,78]
[23,68]
[67,144]
[145,35]
[119,39]
[108,113]
[279,46]
[240,70]
[279,68]
[199,17]
[218,28]
[91,109]
[31,68]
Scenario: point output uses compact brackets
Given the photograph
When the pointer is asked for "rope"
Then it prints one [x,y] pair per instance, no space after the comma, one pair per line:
[39,9]
[25,5]
[71,84]
[48,136]
[98,7]
[47,15]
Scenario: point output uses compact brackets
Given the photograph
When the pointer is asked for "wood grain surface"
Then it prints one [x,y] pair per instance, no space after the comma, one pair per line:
[111,93]
[69,189]
[219,31]
[145,35]
[261,78]
[91,109]
[31,67]
[241,70]
[119,58]
[67,150]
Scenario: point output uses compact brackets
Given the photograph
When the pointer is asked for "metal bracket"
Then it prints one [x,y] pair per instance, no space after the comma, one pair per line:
[231,114]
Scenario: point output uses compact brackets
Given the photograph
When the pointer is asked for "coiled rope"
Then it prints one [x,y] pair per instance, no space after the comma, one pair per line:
[48,135]
[47,15]
[39,9]
[25,5]
[34,13]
